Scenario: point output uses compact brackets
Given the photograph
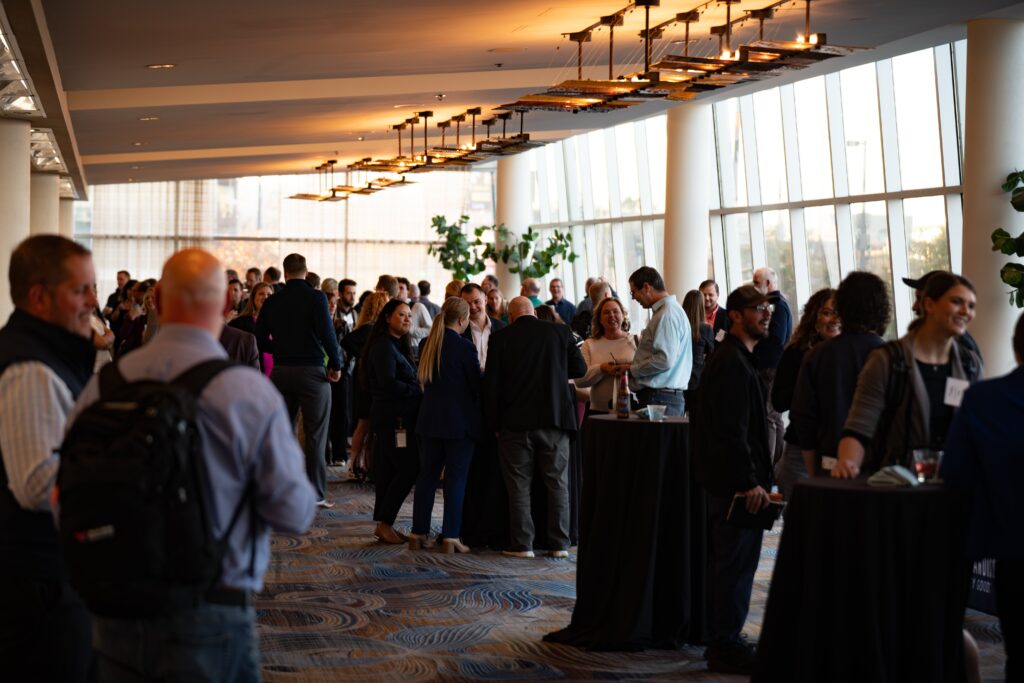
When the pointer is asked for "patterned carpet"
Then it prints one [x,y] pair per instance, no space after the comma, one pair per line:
[339,606]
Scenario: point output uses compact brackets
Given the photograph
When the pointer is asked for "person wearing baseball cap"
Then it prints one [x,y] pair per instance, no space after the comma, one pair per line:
[733,462]
[965,340]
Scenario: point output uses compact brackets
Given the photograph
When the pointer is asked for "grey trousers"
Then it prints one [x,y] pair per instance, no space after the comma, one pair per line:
[549,449]
[306,387]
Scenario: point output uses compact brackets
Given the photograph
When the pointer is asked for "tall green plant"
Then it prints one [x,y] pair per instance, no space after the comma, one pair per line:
[465,254]
[1002,241]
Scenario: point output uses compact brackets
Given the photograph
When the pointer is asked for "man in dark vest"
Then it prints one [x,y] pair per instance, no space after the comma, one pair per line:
[46,357]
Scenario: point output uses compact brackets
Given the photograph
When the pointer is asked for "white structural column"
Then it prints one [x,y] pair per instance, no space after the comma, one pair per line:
[66,220]
[44,208]
[14,199]
[992,149]
[513,210]
[689,184]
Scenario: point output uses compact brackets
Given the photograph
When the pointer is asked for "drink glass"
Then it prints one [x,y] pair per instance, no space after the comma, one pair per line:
[926,464]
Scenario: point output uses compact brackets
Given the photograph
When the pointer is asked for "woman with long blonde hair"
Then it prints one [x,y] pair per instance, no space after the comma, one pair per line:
[448,423]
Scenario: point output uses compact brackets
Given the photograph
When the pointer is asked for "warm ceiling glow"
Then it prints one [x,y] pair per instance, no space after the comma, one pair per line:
[149,118]
[161,66]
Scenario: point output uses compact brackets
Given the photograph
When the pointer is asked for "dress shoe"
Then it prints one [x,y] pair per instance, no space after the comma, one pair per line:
[323,503]
[518,553]
[386,534]
[559,554]
[454,545]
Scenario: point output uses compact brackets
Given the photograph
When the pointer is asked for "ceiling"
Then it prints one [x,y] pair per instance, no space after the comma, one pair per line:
[265,87]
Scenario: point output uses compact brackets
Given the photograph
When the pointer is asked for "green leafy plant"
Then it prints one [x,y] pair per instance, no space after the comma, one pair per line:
[461,255]
[525,258]
[1002,241]
[1011,273]
[465,254]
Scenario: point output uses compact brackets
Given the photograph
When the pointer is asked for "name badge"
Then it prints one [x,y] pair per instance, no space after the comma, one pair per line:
[955,389]
[720,336]
[400,438]
[828,463]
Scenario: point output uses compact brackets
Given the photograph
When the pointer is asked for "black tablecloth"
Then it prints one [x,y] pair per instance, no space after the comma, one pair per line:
[485,514]
[870,584]
[642,552]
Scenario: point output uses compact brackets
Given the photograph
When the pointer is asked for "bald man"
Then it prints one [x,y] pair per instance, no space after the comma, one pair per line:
[247,442]
[531,290]
[528,402]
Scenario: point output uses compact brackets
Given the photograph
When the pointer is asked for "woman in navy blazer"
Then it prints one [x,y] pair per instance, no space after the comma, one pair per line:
[448,423]
[391,376]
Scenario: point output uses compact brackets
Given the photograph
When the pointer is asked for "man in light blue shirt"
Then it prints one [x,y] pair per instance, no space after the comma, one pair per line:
[247,440]
[664,358]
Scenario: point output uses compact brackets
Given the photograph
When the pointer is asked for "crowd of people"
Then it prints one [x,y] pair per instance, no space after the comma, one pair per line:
[485,397]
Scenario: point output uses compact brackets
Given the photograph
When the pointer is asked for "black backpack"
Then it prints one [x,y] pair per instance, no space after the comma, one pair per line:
[134,527]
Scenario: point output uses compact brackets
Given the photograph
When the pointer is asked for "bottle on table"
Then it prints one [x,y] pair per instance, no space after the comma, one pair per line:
[622,401]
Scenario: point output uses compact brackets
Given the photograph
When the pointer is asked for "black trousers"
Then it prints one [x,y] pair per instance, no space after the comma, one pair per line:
[733,553]
[338,431]
[45,632]
[307,388]
[1010,605]
[395,472]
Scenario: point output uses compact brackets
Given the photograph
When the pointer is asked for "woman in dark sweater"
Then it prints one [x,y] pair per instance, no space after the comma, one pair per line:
[818,323]
[703,339]
[390,373]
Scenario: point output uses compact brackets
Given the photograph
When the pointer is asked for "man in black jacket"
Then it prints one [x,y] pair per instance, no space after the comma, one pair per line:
[46,357]
[529,403]
[733,461]
[298,322]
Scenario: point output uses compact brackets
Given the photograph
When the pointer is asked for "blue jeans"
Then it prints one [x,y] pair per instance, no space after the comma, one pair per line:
[454,455]
[674,403]
[205,643]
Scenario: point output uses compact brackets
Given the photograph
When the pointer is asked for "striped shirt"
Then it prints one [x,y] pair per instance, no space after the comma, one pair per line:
[33,411]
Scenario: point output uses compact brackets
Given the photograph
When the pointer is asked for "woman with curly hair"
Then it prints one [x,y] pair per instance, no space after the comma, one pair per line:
[828,375]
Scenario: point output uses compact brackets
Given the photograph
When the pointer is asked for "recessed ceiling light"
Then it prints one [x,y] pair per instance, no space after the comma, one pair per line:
[360,138]
[137,144]
[131,180]
[161,66]
[149,118]
[402,106]
[136,168]
[507,49]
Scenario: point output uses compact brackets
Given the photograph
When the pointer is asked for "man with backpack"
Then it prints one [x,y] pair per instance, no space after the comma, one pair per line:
[46,357]
[219,468]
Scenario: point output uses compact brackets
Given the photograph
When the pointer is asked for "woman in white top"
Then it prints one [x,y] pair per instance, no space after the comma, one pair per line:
[607,353]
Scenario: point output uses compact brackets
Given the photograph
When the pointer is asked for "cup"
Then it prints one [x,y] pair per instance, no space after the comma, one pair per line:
[926,464]
[657,413]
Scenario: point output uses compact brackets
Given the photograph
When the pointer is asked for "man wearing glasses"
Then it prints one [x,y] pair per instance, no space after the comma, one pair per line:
[732,459]
[664,357]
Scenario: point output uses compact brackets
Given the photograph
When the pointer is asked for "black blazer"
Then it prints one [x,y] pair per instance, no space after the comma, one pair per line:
[526,383]
[393,385]
[722,321]
[451,402]
[241,346]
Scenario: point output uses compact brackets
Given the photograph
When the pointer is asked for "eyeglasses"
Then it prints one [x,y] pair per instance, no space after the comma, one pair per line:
[761,308]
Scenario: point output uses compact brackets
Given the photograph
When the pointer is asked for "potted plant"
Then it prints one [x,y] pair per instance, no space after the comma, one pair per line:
[464,255]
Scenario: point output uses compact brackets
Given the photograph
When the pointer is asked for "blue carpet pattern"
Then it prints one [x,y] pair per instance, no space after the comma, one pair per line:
[338,606]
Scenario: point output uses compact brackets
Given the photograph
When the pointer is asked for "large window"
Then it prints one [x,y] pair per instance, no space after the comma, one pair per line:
[250,222]
[851,175]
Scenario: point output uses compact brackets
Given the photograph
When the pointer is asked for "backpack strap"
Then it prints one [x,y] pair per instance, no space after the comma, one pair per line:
[198,376]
